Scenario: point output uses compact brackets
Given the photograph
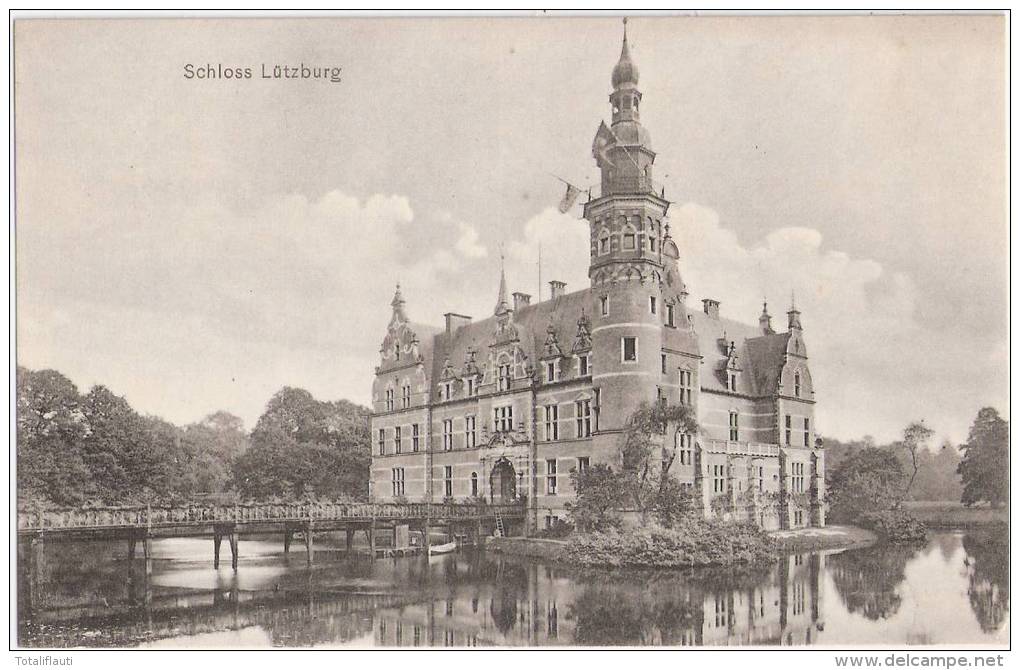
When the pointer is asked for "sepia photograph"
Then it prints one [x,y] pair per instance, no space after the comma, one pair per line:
[522,330]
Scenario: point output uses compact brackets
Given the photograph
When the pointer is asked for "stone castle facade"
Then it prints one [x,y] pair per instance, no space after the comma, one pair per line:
[504,408]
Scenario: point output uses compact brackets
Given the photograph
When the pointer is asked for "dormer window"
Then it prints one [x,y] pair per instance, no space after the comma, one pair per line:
[653,304]
[504,378]
[670,315]
[447,391]
[583,365]
[396,352]
[470,385]
[796,384]
[733,382]
[389,400]
[550,372]
[604,245]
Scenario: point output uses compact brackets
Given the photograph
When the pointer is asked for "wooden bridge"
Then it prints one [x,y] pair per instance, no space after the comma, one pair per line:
[143,524]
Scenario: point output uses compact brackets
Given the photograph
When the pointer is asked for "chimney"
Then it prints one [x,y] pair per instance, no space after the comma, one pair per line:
[711,307]
[521,300]
[556,289]
[455,321]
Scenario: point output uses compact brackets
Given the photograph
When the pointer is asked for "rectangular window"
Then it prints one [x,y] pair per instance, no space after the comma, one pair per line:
[583,410]
[761,478]
[469,432]
[504,377]
[670,316]
[382,441]
[628,241]
[807,433]
[396,440]
[448,391]
[686,386]
[734,427]
[503,419]
[604,305]
[389,400]
[718,479]
[652,304]
[470,382]
[447,434]
[550,372]
[405,397]
[628,346]
[685,445]
[448,481]
[583,463]
[583,366]
[474,485]
[797,478]
[733,382]
[398,481]
[414,437]
[598,406]
[552,423]
[550,476]
[651,243]
[663,361]
[789,432]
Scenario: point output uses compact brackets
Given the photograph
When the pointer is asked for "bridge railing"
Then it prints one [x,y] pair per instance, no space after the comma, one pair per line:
[197,515]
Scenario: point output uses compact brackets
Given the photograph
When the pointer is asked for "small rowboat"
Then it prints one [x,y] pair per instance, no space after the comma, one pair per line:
[447,548]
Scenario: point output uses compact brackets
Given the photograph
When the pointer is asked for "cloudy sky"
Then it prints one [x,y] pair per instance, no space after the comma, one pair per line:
[197,244]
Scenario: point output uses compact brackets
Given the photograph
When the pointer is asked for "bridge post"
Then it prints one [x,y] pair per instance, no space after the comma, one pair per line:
[131,551]
[371,538]
[350,539]
[147,553]
[426,529]
[309,544]
[288,535]
[217,537]
[234,549]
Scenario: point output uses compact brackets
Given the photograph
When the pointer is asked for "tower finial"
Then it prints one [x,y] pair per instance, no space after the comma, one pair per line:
[501,302]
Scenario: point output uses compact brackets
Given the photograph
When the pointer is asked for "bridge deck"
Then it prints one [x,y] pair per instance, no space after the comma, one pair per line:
[211,519]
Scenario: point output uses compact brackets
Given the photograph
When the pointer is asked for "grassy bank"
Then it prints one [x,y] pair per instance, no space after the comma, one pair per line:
[954,515]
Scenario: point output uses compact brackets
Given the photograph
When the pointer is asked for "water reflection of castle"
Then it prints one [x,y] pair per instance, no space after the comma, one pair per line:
[532,605]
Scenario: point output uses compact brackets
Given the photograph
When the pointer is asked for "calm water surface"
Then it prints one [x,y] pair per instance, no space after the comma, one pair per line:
[954,590]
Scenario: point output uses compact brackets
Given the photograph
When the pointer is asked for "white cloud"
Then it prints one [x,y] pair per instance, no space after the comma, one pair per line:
[468,242]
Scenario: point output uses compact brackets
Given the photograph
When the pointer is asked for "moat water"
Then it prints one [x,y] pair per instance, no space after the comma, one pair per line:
[953,590]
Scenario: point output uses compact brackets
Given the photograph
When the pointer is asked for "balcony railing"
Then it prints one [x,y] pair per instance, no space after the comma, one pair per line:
[738,448]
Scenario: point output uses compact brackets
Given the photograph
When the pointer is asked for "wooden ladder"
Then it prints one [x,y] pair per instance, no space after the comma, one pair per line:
[501,531]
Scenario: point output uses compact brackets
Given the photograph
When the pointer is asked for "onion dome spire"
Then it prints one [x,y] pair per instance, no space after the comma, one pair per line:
[625,71]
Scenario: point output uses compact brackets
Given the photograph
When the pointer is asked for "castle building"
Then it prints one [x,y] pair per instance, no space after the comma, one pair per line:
[503,409]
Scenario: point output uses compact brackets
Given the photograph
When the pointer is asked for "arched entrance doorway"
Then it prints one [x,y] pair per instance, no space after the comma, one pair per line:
[503,482]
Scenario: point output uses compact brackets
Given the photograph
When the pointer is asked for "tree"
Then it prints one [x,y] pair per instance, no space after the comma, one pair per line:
[915,440]
[50,429]
[985,464]
[647,453]
[869,480]
[302,447]
[600,495]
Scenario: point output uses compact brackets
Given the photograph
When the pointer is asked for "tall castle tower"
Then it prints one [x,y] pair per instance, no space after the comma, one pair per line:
[631,256]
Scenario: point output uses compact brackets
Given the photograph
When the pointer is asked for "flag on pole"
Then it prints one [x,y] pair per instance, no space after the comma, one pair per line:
[569,198]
